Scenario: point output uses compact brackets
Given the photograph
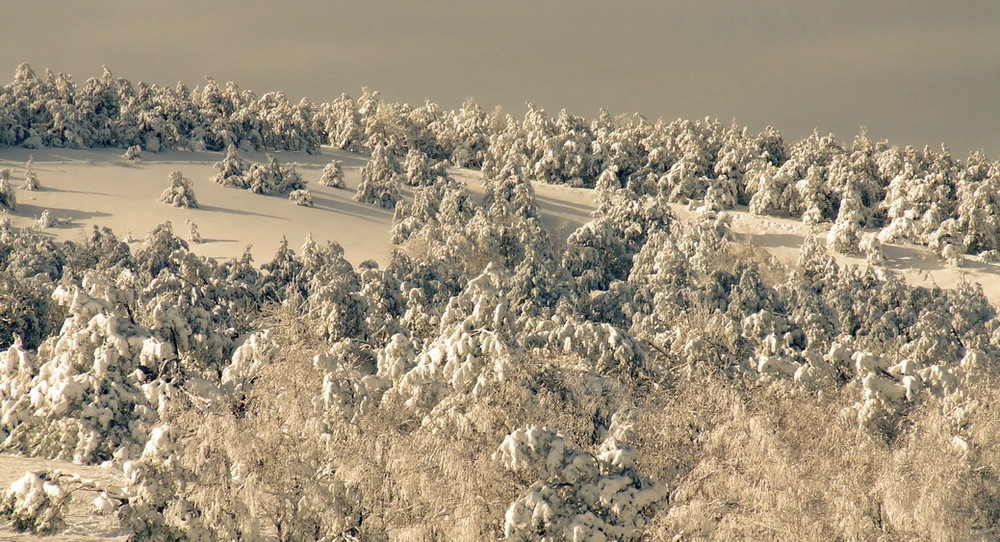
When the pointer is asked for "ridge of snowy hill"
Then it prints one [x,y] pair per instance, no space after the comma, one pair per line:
[98,187]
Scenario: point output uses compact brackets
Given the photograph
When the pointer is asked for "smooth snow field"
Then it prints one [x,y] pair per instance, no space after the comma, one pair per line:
[81,188]
[84,188]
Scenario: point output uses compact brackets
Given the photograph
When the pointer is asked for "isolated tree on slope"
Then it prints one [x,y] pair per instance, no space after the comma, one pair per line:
[380,180]
[333,175]
[30,177]
[179,193]
[232,170]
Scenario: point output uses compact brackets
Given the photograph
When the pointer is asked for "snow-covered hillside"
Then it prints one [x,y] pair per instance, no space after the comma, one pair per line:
[459,325]
[84,188]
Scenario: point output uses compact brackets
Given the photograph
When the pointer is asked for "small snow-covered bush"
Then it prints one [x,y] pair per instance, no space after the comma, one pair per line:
[302,197]
[133,153]
[34,503]
[46,220]
[179,192]
[194,236]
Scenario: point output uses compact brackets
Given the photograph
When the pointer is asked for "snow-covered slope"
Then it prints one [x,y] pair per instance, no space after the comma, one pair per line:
[97,187]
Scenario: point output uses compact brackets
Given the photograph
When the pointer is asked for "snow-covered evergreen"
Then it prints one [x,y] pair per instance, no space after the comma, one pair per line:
[179,192]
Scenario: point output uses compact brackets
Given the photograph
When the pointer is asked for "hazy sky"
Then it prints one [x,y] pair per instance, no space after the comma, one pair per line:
[916,72]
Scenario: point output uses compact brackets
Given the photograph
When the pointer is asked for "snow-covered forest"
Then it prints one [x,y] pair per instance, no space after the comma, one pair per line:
[643,378]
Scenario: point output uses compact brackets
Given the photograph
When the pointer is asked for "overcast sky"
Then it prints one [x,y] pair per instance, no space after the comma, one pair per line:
[915,72]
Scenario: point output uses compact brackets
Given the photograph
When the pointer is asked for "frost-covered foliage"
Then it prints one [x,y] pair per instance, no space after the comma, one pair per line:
[485,384]
[302,197]
[232,170]
[133,153]
[273,178]
[333,175]
[8,199]
[179,192]
[30,177]
[381,179]
[33,503]
[578,495]
[907,192]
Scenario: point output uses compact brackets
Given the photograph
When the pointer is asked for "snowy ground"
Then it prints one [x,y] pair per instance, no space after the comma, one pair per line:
[96,187]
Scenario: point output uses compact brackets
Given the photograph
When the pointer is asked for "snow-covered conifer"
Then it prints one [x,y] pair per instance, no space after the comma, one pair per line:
[845,234]
[232,170]
[30,177]
[179,192]
[193,235]
[381,178]
[46,220]
[333,175]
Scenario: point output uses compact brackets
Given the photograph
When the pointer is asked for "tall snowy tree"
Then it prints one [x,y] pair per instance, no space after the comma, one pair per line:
[381,178]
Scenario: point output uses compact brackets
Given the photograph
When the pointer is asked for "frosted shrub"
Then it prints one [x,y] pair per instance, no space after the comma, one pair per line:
[133,153]
[46,220]
[34,503]
[301,197]
[273,178]
[577,495]
[194,236]
[381,178]
[179,192]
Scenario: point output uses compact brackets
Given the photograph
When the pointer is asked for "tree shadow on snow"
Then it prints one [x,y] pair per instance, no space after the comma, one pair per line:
[74,215]
[353,208]
[240,212]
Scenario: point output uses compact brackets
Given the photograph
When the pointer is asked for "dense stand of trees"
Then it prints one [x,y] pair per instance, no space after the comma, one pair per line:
[646,379]
[924,196]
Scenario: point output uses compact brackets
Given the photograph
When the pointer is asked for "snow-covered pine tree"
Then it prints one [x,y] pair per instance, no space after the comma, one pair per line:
[333,175]
[232,170]
[845,234]
[381,178]
[30,177]
[179,192]
[133,153]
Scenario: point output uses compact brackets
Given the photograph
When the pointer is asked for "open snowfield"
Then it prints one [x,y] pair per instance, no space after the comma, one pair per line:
[82,188]
[97,187]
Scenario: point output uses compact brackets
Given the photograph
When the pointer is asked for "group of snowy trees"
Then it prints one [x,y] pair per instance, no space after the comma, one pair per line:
[483,375]
[922,196]
[651,378]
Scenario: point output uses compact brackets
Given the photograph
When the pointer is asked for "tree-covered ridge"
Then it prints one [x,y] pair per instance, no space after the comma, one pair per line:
[923,196]
[598,390]
[645,379]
